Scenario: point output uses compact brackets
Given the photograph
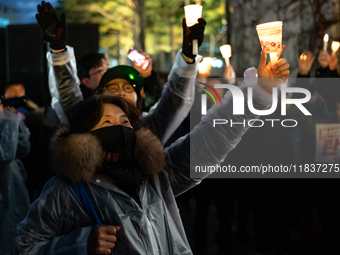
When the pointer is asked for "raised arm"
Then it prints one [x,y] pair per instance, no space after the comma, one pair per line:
[178,93]
[208,145]
[63,79]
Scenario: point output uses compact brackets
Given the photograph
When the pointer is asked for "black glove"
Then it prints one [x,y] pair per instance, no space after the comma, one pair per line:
[191,33]
[55,31]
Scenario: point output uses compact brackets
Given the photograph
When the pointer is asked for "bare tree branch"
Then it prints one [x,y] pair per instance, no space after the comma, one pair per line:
[110,16]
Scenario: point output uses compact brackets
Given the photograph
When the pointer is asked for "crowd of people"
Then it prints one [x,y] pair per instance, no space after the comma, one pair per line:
[105,168]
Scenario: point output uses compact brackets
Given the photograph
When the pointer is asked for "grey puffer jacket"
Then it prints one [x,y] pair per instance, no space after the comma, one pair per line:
[14,200]
[57,222]
[162,119]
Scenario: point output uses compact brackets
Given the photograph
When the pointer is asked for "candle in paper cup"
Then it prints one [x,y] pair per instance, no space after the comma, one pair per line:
[335,46]
[325,42]
[192,13]
[226,52]
[270,35]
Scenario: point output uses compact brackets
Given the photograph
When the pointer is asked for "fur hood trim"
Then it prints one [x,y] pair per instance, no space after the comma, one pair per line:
[78,156]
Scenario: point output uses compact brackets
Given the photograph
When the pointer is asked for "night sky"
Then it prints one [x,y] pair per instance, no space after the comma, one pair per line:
[27,8]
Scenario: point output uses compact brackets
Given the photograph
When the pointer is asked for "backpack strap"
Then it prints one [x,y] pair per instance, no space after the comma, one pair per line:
[84,198]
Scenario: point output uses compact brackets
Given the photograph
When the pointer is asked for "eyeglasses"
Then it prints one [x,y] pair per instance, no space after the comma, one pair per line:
[114,88]
[101,72]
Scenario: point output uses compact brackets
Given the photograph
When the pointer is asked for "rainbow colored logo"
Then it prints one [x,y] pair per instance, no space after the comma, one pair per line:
[208,92]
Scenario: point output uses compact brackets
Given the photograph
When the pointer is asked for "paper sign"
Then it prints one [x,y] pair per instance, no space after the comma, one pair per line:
[327,143]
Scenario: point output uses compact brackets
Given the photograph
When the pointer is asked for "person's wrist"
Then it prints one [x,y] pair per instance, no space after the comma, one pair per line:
[187,59]
[332,68]
[323,65]
[59,50]
[303,72]
[146,75]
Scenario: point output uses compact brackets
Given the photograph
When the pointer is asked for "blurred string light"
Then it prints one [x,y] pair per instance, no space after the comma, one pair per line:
[4,22]
[218,63]
[113,62]
[222,29]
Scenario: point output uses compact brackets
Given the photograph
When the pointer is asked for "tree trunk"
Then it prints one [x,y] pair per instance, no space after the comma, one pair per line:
[172,38]
[228,18]
[212,45]
[139,24]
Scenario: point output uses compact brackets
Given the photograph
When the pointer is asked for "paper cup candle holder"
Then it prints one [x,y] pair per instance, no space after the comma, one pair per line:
[226,53]
[270,35]
[192,13]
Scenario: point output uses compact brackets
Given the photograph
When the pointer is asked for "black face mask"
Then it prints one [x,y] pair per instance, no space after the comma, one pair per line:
[121,166]
[119,141]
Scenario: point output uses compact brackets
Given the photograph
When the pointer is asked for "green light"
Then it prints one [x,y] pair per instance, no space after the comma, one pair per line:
[131,76]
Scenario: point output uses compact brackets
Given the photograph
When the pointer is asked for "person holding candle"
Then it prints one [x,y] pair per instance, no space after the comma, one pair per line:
[305,63]
[328,65]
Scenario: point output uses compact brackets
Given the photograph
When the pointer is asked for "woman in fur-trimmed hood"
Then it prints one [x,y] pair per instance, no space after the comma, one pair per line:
[120,165]
[130,180]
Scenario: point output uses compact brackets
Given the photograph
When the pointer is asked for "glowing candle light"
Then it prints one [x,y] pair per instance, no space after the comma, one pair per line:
[325,42]
[303,56]
[226,53]
[335,46]
[192,13]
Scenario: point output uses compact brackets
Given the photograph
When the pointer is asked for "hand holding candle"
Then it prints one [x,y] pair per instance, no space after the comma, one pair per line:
[192,14]
[191,33]
[305,62]
[324,58]
[269,75]
[226,53]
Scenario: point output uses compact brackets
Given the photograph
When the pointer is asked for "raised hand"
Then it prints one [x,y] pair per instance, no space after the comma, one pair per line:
[229,74]
[191,33]
[305,62]
[279,72]
[324,58]
[144,72]
[333,61]
[55,30]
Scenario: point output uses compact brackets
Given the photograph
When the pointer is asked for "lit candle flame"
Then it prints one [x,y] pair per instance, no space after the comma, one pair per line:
[303,56]
[325,38]
[335,46]
[225,51]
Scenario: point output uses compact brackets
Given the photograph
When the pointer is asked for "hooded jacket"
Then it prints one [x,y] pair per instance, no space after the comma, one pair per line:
[162,119]
[58,224]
